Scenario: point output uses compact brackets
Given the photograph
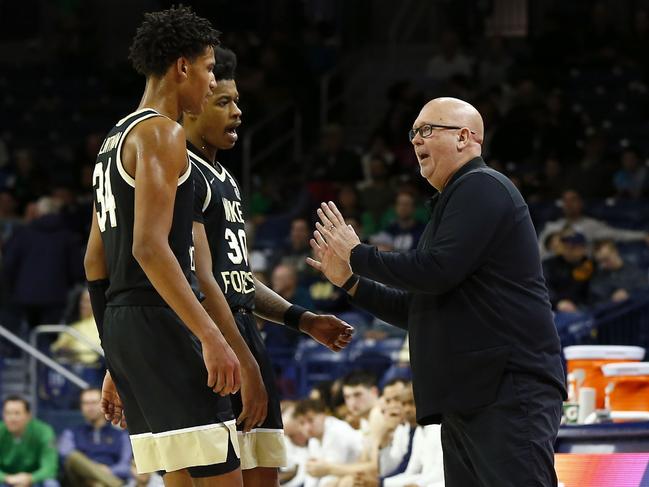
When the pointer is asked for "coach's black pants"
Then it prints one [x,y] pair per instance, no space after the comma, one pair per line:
[508,443]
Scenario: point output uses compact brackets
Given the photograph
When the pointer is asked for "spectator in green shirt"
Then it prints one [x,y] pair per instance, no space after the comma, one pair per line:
[27,447]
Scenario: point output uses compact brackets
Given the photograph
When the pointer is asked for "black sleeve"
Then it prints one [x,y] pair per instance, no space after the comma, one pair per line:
[201,194]
[548,274]
[97,290]
[390,305]
[478,212]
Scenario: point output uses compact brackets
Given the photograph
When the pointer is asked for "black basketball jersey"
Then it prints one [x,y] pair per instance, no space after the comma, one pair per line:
[115,204]
[218,206]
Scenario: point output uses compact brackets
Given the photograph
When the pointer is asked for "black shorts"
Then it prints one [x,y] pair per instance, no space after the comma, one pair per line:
[263,446]
[174,419]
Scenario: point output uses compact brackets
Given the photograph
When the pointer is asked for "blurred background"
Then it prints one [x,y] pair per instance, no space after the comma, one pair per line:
[329,90]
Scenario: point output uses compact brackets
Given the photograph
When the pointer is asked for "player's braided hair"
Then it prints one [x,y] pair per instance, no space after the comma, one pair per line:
[167,35]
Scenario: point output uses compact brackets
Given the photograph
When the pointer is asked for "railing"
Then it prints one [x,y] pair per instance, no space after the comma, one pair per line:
[292,135]
[68,330]
[624,323]
[37,356]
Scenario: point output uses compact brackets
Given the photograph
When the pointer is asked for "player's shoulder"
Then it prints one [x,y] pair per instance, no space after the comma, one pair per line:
[159,134]
[162,129]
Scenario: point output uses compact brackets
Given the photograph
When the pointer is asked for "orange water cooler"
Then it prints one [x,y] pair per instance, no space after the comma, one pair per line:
[585,364]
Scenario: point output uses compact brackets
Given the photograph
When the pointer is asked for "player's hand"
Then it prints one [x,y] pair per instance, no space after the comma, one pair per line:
[111,403]
[335,269]
[341,237]
[328,330]
[223,369]
[254,398]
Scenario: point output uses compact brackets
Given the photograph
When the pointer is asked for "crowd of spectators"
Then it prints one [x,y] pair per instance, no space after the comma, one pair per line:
[357,436]
[92,452]
[568,132]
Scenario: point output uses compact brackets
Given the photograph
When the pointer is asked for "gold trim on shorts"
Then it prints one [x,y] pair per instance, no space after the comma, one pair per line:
[187,447]
[262,447]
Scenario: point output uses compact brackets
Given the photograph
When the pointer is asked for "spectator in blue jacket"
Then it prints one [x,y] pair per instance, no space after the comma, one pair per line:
[41,262]
[95,452]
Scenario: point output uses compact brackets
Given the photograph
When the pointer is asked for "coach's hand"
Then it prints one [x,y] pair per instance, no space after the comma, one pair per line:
[335,269]
[254,398]
[111,403]
[328,330]
[341,237]
[223,369]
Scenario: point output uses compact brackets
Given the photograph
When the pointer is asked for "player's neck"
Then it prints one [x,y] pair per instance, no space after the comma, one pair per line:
[159,96]
[207,151]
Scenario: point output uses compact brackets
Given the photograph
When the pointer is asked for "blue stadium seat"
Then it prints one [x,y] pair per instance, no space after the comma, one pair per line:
[635,253]
[396,371]
[60,419]
[574,328]
[621,213]
[272,231]
[317,363]
[375,356]
[56,392]
[624,323]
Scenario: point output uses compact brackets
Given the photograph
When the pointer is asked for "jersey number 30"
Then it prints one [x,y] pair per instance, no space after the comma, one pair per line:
[238,246]
[105,199]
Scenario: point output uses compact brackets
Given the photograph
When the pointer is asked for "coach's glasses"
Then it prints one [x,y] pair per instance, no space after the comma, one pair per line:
[426,130]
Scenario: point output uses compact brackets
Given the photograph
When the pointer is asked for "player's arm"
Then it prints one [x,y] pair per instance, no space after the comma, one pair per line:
[328,330]
[253,392]
[158,147]
[94,263]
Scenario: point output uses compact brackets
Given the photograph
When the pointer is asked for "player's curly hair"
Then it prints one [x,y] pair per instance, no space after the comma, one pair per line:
[226,63]
[167,35]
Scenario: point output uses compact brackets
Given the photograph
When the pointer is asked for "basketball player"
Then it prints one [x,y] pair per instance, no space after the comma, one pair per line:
[165,355]
[222,260]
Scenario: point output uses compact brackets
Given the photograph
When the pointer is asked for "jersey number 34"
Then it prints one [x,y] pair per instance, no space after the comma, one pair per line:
[105,200]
